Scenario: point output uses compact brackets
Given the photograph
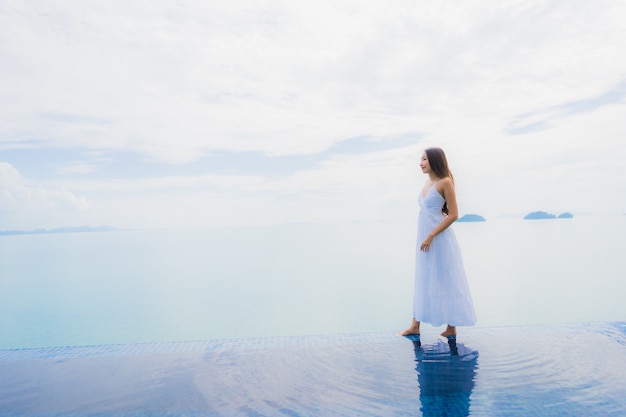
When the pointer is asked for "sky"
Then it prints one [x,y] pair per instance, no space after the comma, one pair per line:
[160,114]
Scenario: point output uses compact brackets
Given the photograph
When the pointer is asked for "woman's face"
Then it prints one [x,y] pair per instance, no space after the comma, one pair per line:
[424,165]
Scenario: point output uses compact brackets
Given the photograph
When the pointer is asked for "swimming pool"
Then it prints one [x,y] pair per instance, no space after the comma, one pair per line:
[299,320]
[559,370]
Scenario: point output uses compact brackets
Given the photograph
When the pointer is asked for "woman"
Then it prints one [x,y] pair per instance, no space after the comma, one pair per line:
[442,295]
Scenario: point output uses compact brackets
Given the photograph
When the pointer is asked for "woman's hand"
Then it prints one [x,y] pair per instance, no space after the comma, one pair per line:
[426,244]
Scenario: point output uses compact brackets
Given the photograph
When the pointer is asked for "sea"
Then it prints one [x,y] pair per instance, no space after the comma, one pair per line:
[147,286]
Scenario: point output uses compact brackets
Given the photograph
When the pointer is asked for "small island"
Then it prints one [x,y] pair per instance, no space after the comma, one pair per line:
[538,215]
[79,229]
[471,218]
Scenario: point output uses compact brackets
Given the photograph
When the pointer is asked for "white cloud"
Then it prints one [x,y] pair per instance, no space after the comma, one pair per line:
[24,204]
[345,188]
[290,77]
[175,81]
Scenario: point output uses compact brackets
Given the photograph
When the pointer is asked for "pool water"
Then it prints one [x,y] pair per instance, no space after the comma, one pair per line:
[557,370]
[300,320]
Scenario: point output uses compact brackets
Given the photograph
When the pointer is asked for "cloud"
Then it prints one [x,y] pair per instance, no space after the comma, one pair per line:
[237,104]
[175,81]
[21,202]
[543,118]
[344,187]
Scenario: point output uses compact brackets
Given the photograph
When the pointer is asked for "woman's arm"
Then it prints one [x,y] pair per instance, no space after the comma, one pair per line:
[445,187]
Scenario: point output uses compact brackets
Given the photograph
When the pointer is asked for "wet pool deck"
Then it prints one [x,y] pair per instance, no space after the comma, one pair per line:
[559,370]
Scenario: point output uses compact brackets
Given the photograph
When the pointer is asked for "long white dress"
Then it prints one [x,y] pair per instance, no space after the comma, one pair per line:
[442,295]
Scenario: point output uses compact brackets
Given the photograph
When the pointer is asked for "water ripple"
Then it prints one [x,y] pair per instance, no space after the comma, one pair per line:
[539,371]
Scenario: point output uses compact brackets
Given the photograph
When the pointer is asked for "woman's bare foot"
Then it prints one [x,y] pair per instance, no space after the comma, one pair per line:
[410,331]
[414,328]
[450,331]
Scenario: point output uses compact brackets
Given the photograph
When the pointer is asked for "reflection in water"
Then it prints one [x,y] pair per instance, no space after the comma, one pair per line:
[446,374]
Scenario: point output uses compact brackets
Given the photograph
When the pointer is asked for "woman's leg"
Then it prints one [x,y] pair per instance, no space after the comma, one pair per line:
[414,328]
[450,331]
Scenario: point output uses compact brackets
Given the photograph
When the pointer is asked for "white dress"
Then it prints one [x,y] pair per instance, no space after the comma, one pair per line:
[442,295]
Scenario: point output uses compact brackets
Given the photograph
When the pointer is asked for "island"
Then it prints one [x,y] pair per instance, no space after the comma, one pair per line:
[79,229]
[471,218]
[539,215]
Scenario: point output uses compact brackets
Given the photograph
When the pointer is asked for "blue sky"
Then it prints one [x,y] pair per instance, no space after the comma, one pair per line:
[240,113]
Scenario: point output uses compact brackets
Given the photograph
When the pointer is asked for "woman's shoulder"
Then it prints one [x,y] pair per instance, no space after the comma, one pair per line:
[445,183]
[445,187]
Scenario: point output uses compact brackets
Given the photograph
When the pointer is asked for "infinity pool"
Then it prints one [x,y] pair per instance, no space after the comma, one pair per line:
[558,370]
[299,320]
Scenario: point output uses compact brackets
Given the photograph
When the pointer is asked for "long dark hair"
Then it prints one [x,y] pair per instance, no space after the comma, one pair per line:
[439,164]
